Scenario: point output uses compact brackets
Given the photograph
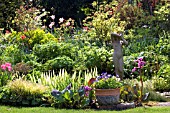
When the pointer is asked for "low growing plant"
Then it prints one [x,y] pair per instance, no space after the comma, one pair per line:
[24,93]
[105,81]
[68,98]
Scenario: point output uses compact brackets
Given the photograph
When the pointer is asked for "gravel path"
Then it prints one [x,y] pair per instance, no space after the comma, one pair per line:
[163,104]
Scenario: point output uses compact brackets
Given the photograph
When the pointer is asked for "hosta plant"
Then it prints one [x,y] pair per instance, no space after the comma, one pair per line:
[68,98]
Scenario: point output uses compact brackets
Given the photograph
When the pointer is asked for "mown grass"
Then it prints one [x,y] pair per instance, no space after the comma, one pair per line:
[8,109]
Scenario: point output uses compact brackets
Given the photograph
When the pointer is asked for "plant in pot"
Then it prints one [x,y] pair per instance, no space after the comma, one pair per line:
[107,89]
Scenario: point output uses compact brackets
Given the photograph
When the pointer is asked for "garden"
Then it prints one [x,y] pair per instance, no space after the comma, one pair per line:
[57,56]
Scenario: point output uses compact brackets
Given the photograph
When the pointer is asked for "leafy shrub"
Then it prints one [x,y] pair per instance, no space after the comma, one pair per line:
[28,18]
[162,80]
[23,93]
[104,21]
[29,38]
[7,12]
[12,54]
[59,63]
[68,98]
[74,55]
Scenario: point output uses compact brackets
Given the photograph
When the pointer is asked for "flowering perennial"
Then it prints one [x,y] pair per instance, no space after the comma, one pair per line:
[6,66]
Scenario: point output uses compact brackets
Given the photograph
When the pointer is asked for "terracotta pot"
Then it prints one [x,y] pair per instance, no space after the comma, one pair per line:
[107,96]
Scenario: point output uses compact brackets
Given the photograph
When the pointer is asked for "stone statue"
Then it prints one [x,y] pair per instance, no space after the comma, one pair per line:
[118,41]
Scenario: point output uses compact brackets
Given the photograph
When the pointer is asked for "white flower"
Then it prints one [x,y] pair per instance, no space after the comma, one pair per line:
[43,9]
[61,20]
[52,16]
[51,24]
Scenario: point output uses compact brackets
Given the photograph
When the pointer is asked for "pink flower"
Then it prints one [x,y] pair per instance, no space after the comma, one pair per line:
[52,16]
[141,64]
[43,27]
[68,24]
[3,67]
[51,24]
[61,20]
[140,58]
[8,64]
[36,18]
[9,68]
[85,28]
[7,32]
[134,69]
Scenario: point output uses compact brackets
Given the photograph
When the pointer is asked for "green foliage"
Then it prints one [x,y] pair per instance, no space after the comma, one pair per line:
[62,79]
[74,55]
[12,54]
[7,12]
[161,17]
[104,21]
[68,98]
[162,80]
[23,93]
[109,83]
[130,93]
[59,63]
[132,15]
[28,18]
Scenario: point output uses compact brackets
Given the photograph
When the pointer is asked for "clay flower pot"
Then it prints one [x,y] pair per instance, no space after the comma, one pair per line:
[107,96]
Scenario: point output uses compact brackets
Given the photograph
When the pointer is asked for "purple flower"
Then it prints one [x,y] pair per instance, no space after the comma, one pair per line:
[117,76]
[134,69]
[55,92]
[141,59]
[69,86]
[87,88]
[141,64]
[109,75]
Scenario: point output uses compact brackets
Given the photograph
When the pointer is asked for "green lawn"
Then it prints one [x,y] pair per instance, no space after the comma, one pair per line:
[7,109]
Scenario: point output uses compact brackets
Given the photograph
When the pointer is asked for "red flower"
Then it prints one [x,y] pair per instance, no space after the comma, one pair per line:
[23,37]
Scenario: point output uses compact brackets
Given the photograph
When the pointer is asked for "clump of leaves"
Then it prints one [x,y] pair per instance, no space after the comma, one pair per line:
[105,81]
[24,93]
[68,98]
